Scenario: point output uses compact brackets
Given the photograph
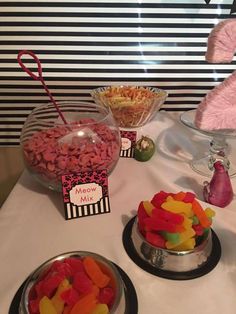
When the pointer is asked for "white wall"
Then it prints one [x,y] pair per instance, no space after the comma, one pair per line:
[11,166]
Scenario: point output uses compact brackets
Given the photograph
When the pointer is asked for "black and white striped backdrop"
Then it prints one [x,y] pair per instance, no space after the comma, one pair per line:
[85,44]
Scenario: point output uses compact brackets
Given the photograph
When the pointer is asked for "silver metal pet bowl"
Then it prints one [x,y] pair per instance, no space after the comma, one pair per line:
[107,266]
[169,260]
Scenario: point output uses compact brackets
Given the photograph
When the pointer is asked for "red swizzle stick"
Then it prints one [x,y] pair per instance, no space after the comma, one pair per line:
[38,77]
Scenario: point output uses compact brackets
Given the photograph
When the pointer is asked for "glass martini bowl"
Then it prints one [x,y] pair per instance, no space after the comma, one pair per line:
[218,148]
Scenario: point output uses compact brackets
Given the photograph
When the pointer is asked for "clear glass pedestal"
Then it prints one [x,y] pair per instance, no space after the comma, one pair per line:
[218,147]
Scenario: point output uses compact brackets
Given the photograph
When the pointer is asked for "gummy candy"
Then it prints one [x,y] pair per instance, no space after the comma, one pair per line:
[101,309]
[67,309]
[106,295]
[70,296]
[73,286]
[209,212]
[189,197]
[155,239]
[161,225]
[185,246]
[166,215]
[174,221]
[34,306]
[95,290]
[201,215]
[195,220]
[51,284]
[62,268]
[84,305]
[95,273]
[198,229]
[57,301]
[82,283]
[171,237]
[187,234]
[179,196]
[159,198]
[142,214]
[46,306]
[187,223]
[148,206]
[177,207]
[75,263]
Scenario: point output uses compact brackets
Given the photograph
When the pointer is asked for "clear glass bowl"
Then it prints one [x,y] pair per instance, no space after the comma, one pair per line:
[89,141]
[29,292]
[132,106]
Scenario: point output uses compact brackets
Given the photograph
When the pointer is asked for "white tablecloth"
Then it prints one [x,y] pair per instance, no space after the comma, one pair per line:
[33,228]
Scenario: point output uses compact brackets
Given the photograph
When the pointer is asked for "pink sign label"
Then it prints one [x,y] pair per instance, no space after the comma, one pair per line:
[128,140]
[85,194]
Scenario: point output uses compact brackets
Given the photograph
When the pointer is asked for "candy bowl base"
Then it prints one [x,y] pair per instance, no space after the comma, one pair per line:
[178,261]
[170,264]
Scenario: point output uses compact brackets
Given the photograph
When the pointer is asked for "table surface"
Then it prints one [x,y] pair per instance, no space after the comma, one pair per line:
[33,228]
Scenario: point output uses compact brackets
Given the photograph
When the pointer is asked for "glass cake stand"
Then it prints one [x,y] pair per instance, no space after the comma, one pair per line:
[218,148]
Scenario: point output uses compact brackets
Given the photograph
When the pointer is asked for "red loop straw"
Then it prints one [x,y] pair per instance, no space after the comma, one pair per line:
[38,77]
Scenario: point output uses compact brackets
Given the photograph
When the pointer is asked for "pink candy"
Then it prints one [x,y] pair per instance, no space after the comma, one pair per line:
[50,155]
